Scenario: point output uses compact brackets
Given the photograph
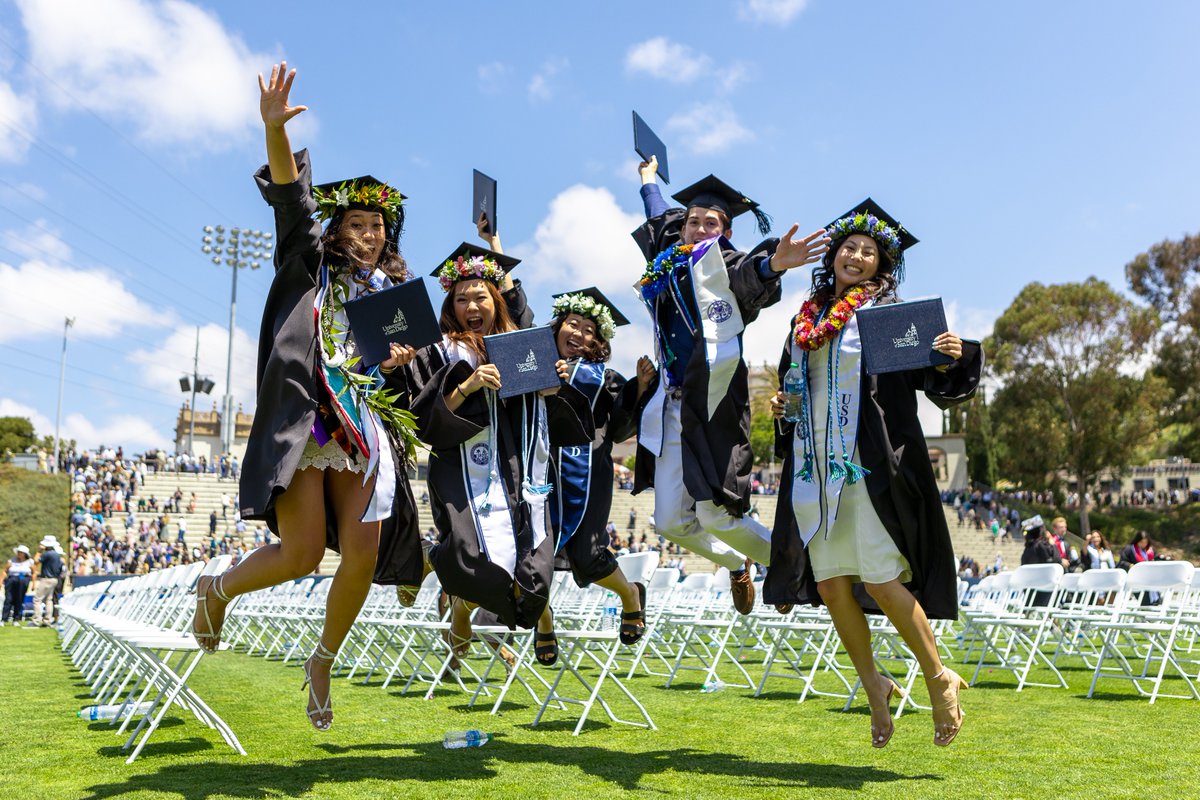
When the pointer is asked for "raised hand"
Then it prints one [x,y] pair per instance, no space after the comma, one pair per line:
[399,355]
[649,170]
[792,253]
[273,100]
[645,374]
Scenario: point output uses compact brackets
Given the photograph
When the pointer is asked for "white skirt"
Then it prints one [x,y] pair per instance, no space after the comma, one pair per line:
[331,456]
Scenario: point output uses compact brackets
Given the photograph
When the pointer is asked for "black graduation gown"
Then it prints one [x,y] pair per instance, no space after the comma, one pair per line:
[901,485]
[288,385]
[717,459]
[462,568]
[586,553]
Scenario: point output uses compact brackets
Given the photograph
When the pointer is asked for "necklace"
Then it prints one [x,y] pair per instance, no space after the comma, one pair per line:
[658,272]
[813,328]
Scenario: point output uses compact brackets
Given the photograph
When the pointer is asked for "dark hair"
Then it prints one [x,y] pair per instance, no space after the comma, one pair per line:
[824,288]
[1137,537]
[600,351]
[501,322]
[344,247]
[726,222]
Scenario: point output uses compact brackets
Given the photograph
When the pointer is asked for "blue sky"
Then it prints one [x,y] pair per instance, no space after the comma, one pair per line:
[1019,141]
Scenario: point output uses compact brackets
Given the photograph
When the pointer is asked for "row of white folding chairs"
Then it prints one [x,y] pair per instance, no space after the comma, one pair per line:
[131,642]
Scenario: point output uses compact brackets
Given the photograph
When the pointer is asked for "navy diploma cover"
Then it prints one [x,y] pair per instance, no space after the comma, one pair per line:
[401,314]
[899,336]
[525,359]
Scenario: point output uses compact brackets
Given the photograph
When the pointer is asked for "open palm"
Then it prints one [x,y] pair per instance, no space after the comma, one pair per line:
[273,103]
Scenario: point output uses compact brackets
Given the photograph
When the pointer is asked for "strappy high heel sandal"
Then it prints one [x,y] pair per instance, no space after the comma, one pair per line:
[879,738]
[209,640]
[945,733]
[545,648]
[325,656]
[633,623]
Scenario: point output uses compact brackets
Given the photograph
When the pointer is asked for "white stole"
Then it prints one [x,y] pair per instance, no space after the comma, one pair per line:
[815,503]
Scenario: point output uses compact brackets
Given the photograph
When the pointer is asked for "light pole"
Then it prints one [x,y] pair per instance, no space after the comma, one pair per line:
[239,249]
[62,378]
[195,383]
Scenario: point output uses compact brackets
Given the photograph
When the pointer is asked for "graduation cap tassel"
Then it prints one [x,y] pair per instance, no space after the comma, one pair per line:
[806,472]
[763,219]
[836,470]
[854,472]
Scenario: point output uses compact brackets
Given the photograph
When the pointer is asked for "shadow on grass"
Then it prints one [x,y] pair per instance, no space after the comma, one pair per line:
[427,761]
[182,747]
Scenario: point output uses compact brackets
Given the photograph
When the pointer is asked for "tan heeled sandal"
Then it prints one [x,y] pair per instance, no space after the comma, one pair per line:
[326,656]
[880,739]
[945,733]
[213,632]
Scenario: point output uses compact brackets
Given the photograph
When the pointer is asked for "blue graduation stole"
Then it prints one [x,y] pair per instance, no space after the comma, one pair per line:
[575,463]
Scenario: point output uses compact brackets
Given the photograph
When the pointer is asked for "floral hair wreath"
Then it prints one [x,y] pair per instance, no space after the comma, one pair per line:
[461,269]
[585,306]
[868,224]
[380,196]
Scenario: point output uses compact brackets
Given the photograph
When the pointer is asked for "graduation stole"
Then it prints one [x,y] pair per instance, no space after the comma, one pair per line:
[575,463]
[720,321]
[824,468]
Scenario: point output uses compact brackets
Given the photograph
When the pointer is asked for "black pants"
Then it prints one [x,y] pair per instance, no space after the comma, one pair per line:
[14,598]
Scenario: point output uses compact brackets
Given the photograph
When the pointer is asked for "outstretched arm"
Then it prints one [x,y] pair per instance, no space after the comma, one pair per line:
[273,105]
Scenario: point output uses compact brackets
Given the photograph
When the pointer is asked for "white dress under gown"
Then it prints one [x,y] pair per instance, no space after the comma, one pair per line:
[858,545]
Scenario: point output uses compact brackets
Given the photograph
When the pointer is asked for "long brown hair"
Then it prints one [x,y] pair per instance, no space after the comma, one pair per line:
[344,248]
[824,288]
[501,320]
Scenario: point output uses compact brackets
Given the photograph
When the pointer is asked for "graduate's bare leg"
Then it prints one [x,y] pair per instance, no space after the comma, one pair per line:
[909,618]
[300,515]
[851,623]
[359,543]
[460,626]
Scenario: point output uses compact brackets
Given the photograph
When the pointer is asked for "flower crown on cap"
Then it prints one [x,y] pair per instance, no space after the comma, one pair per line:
[868,224]
[386,199]
[463,268]
[585,306]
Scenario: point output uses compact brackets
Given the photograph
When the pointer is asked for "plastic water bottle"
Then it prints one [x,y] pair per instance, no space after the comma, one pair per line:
[610,621]
[457,740]
[110,711]
[712,685]
[793,393]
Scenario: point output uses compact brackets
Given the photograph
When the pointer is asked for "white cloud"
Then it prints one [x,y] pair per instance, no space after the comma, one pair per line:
[128,431]
[169,67]
[21,113]
[159,367]
[708,128]
[493,77]
[543,84]
[775,11]
[23,192]
[77,293]
[669,61]
[971,322]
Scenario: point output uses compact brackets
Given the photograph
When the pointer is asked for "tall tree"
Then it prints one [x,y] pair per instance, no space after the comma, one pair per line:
[1168,276]
[1067,356]
[16,434]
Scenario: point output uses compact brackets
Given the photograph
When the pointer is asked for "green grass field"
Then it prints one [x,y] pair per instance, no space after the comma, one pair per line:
[1041,743]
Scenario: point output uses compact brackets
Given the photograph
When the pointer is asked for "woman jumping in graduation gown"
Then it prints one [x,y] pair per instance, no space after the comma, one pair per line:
[490,460]
[875,525]
[584,325]
[320,467]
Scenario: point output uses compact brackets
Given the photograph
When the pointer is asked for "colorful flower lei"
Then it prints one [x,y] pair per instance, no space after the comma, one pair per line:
[585,306]
[870,225]
[461,269]
[812,331]
[380,196]
[658,271]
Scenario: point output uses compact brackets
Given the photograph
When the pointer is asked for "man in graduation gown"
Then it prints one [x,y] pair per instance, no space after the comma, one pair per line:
[694,423]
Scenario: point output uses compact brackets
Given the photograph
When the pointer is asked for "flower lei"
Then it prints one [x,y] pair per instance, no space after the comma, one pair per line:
[380,196]
[658,272]
[813,331]
[870,225]
[460,269]
[585,306]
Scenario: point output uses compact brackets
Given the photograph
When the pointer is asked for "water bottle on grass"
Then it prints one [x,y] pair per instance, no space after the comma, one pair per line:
[110,711]
[457,740]
[793,393]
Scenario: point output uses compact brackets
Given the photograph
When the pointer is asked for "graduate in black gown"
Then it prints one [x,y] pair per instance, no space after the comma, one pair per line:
[860,522]
[584,325]
[489,465]
[324,463]
[694,427]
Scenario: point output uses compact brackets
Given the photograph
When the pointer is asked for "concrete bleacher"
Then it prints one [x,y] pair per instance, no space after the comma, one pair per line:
[209,488]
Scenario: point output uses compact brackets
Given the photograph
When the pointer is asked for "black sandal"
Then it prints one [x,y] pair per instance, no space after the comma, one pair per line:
[631,631]
[545,648]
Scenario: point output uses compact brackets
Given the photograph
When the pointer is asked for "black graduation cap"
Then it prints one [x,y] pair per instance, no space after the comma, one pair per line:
[390,206]
[870,209]
[619,319]
[714,193]
[468,251]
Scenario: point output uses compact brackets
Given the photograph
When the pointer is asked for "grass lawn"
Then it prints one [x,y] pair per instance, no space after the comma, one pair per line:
[1041,743]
